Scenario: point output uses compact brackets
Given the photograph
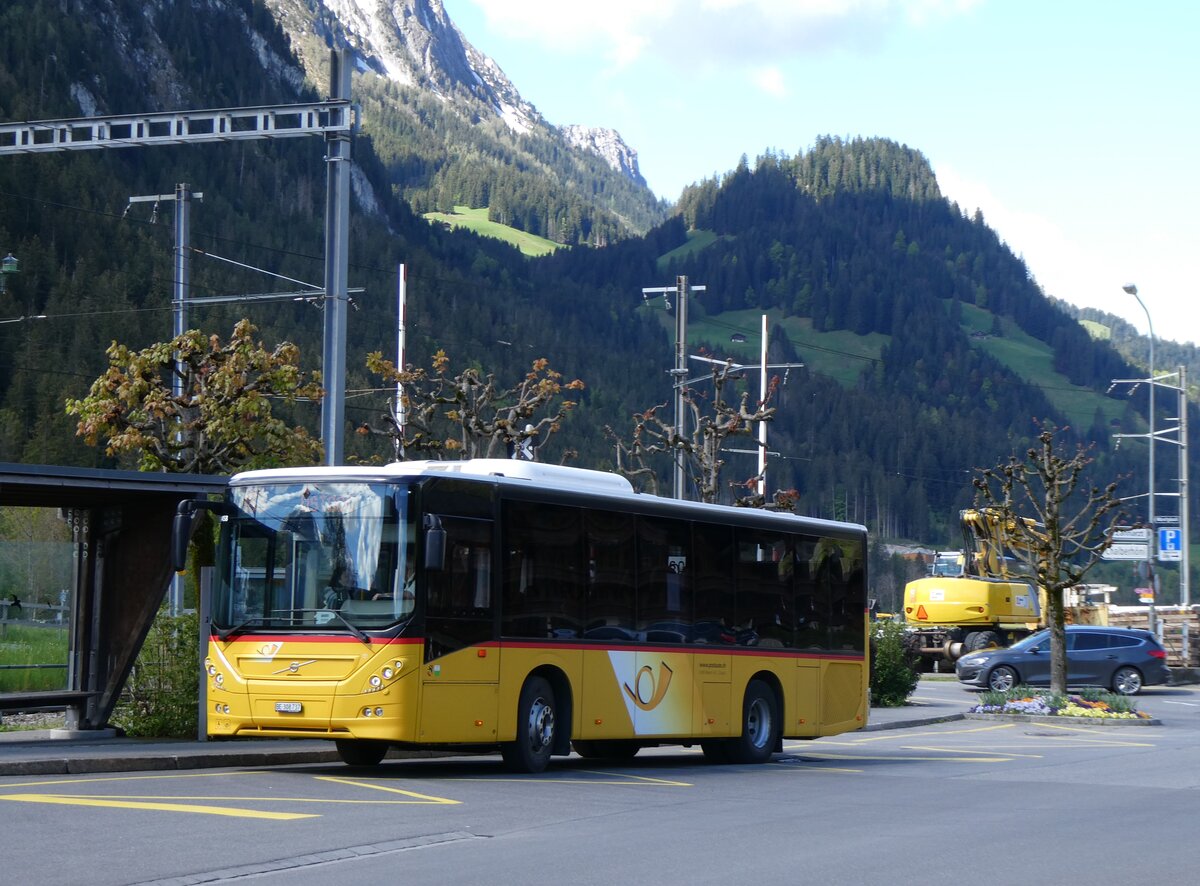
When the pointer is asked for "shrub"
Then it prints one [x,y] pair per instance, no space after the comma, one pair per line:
[894,674]
[162,692]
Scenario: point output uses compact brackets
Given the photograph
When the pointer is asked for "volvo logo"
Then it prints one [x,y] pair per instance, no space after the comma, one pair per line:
[294,667]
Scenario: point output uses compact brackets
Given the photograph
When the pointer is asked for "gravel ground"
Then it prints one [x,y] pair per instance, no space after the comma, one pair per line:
[37,720]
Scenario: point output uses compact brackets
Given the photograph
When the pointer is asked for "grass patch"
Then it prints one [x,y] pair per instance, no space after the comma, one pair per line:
[839,355]
[477,220]
[1033,361]
[697,241]
[24,645]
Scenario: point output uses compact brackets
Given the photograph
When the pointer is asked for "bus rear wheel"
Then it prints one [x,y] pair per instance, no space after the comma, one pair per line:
[361,752]
[535,729]
[760,726]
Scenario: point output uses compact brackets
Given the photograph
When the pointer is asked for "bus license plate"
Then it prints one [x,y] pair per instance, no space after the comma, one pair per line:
[288,707]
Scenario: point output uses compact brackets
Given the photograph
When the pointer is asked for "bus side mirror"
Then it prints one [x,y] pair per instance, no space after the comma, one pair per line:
[435,543]
[181,536]
[181,529]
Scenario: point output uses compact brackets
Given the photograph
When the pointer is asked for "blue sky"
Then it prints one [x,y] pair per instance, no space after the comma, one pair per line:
[1071,124]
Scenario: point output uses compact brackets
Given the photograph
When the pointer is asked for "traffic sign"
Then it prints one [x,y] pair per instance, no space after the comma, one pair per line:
[1170,545]
[1124,550]
[1141,534]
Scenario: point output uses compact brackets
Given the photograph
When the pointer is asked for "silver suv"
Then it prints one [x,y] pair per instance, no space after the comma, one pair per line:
[1121,659]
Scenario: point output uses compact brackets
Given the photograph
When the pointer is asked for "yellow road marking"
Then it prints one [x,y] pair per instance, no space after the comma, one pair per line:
[905,734]
[65,800]
[908,759]
[107,779]
[646,778]
[424,798]
[992,750]
[613,778]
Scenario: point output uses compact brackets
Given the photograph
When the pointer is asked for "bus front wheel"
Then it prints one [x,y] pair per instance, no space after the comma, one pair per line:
[535,729]
[760,726]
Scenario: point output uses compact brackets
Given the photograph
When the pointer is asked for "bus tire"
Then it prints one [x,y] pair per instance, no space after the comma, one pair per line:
[361,752]
[716,750]
[536,725]
[760,726]
[606,749]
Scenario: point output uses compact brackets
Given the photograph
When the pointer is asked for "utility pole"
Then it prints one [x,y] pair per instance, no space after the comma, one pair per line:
[182,198]
[679,372]
[337,264]
[400,415]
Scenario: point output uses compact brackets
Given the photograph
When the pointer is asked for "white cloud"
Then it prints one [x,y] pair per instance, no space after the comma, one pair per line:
[748,31]
[770,80]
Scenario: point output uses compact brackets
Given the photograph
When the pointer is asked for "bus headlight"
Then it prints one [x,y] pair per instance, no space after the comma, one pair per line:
[388,673]
[375,681]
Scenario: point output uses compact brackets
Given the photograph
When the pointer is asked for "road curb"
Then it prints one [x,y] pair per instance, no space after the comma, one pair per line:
[1101,722]
[921,721]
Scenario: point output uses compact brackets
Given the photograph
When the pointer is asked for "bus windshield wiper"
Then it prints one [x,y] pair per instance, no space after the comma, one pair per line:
[350,626]
[226,633]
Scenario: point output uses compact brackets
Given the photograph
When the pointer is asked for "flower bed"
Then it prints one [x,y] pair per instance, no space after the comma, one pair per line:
[1090,705]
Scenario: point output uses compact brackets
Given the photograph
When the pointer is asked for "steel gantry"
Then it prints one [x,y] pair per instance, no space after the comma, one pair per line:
[336,119]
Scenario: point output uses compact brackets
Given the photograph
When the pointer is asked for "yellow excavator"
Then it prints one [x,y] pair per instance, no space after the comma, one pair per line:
[990,599]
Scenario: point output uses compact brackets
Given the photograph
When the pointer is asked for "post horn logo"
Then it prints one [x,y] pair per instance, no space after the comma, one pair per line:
[269,650]
[649,692]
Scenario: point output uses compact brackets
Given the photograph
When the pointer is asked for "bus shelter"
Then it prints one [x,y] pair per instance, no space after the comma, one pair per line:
[115,570]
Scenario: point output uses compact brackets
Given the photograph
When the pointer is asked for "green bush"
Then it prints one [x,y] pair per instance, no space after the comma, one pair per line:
[161,695]
[894,673]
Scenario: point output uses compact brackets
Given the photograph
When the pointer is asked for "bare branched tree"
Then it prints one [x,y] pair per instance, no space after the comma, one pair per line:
[470,414]
[1058,526]
[713,420]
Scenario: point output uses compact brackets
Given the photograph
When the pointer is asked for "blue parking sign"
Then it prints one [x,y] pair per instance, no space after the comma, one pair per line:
[1170,544]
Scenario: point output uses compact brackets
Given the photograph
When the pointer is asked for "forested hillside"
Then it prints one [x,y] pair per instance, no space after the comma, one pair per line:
[928,350]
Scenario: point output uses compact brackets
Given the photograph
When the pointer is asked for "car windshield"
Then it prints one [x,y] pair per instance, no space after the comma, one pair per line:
[1029,642]
[331,555]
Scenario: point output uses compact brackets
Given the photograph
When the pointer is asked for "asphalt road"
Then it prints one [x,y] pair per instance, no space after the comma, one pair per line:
[949,802]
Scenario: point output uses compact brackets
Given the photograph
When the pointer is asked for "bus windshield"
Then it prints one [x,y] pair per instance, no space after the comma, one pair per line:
[329,555]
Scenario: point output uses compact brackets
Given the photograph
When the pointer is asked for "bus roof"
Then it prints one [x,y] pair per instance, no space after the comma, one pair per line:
[515,474]
[553,476]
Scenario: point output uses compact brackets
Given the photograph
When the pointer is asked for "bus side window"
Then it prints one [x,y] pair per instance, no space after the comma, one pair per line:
[664,598]
[543,586]
[612,584]
[715,606]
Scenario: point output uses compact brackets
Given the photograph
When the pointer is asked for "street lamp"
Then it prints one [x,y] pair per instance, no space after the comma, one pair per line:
[1151,544]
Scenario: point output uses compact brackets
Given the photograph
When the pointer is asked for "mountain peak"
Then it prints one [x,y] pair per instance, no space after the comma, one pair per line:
[608,144]
[414,43]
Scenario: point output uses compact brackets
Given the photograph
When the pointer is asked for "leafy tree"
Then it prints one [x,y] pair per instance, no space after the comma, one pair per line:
[221,422]
[1054,523]
[894,674]
[471,414]
[713,422]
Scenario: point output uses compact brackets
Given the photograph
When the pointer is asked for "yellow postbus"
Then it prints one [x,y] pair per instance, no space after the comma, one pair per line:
[529,607]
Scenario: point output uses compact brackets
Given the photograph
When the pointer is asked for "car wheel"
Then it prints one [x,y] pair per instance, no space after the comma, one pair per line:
[1127,681]
[1002,679]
